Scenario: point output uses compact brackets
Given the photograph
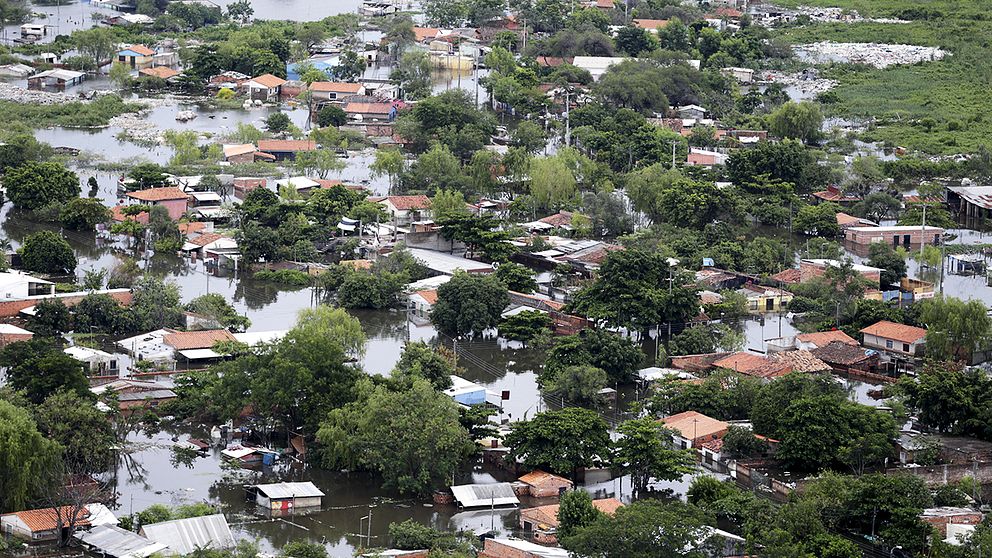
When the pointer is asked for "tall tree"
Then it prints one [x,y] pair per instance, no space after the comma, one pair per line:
[955,328]
[644,451]
[560,441]
[26,458]
[469,304]
[40,369]
[36,185]
[645,529]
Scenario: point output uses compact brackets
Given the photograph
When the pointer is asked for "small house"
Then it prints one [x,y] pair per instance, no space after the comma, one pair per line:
[404,210]
[650,25]
[762,299]
[284,150]
[847,358]
[834,194]
[705,157]
[370,112]
[895,236]
[47,524]
[185,536]
[845,221]
[518,548]
[16,285]
[136,57]
[691,111]
[266,87]
[466,392]
[942,517]
[742,75]
[692,429]
[299,184]
[819,339]
[966,264]
[756,366]
[596,65]
[57,78]
[175,201]
[900,339]
[286,496]
[544,485]
[96,362]
[160,72]
[485,495]
[197,345]
[422,302]
[33,31]
[809,269]
[325,91]
[542,521]
[12,334]
[245,153]
[134,394]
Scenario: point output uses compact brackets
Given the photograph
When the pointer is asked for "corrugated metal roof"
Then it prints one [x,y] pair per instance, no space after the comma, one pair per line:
[478,495]
[290,490]
[119,543]
[184,536]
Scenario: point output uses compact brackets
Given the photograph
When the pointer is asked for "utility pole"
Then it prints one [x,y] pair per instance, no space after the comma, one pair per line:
[568,123]
[923,233]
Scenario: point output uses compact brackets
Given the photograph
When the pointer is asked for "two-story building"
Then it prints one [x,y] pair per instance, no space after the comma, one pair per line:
[404,210]
[899,344]
[136,57]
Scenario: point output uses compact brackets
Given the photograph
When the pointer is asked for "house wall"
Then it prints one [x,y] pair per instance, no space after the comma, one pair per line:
[549,488]
[10,308]
[916,236]
[243,158]
[176,208]
[942,522]
[876,342]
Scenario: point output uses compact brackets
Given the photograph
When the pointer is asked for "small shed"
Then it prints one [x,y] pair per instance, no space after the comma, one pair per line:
[485,495]
[466,392]
[184,536]
[545,485]
[56,78]
[966,264]
[288,495]
[112,541]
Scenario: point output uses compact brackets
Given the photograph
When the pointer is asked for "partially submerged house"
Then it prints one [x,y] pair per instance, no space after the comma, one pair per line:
[285,150]
[174,199]
[114,542]
[518,548]
[284,496]
[542,521]
[57,78]
[48,524]
[540,484]
[756,366]
[692,429]
[184,536]
[265,87]
[17,285]
[466,392]
[895,236]
[96,362]
[485,495]
[245,153]
[134,394]
[136,57]
[325,91]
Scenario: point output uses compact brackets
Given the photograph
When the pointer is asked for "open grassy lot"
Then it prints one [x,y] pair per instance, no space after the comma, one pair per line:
[942,107]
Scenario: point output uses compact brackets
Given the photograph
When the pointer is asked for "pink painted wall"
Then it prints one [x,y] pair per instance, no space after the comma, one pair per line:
[177,208]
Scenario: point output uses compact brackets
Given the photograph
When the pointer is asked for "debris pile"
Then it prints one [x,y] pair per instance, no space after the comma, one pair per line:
[872,54]
[807,82]
[828,15]
[136,127]
[20,95]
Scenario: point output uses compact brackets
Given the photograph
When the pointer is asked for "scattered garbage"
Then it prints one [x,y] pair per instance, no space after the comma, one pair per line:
[828,15]
[185,116]
[807,83]
[872,54]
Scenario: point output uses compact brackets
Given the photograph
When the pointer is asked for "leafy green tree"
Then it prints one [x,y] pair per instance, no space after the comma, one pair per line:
[216,307]
[951,400]
[955,328]
[877,206]
[47,252]
[741,441]
[552,184]
[156,304]
[411,535]
[633,532]
[350,65]
[331,115]
[705,490]
[36,185]
[445,13]
[19,149]
[644,450]
[637,289]
[277,122]
[516,277]
[575,511]
[97,43]
[302,549]
[390,163]
[83,214]
[447,204]
[801,121]
[891,263]
[635,85]
[469,304]
[39,368]
[361,289]
[51,318]
[667,196]
[578,384]
[480,234]
[240,11]
[413,75]
[525,326]
[26,458]
[528,136]
[419,360]
[413,437]
[786,161]
[560,441]
[818,220]
[632,41]
[148,175]
[80,428]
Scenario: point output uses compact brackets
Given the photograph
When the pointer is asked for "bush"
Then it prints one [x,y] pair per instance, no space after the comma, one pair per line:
[47,252]
[83,214]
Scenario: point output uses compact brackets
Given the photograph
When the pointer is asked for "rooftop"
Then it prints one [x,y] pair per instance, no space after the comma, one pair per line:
[286,145]
[537,478]
[335,87]
[824,338]
[693,425]
[269,80]
[159,194]
[282,490]
[898,332]
[753,365]
[406,203]
[803,361]
[182,340]
[839,352]
[139,49]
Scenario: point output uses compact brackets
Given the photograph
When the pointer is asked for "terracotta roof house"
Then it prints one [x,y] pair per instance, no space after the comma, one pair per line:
[824,338]
[245,153]
[651,25]
[136,56]
[370,112]
[285,149]
[185,340]
[118,215]
[335,90]
[552,61]
[173,199]
[544,485]
[692,429]
[789,276]
[844,357]
[404,210]
[696,363]
[44,524]
[160,72]
[835,195]
[422,302]
[803,361]
[845,221]
[895,338]
[754,365]
[422,34]
[265,87]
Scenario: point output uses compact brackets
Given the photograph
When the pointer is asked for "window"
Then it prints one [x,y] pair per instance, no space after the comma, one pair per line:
[905,347]
[888,343]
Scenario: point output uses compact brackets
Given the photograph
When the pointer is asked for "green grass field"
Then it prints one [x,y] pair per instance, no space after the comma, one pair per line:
[942,107]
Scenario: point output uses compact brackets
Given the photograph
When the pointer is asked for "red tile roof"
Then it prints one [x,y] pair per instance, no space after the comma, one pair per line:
[898,332]
[140,49]
[790,275]
[824,338]
[833,193]
[802,361]
[117,214]
[206,238]
[423,33]
[537,478]
[159,194]
[650,24]
[753,365]
[368,108]
[693,425]
[195,226]
[159,72]
[47,519]
[405,203]
[429,295]
[548,515]
[838,352]
[183,340]
[269,80]
[286,145]
[336,87]
[560,219]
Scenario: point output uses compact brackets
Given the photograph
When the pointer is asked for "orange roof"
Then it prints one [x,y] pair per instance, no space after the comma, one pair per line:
[140,49]
[753,365]
[117,214]
[286,145]
[802,361]
[195,226]
[791,275]
[368,108]
[691,423]
[894,331]
[404,203]
[159,72]
[183,340]
[430,295]
[650,24]
[269,80]
[824,338]
[336,87]
[328,184]
[424,33]
[206,238]
[159,194]
[536,478]
[47,520]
